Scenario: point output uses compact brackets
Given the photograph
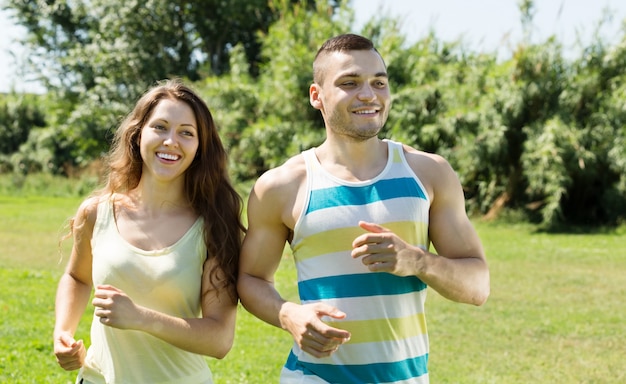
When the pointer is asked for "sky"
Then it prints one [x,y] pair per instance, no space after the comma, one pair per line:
[482,26]
[493,25]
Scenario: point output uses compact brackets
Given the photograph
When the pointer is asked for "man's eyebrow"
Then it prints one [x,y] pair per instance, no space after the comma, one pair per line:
[354,74]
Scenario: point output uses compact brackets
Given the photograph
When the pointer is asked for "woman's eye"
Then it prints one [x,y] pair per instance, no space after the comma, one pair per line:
[159,127]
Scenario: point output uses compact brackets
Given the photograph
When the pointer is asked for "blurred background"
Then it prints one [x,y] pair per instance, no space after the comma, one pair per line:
[525,98]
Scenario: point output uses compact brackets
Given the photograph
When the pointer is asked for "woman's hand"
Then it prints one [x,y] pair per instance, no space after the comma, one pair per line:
[115,308]
[70,353]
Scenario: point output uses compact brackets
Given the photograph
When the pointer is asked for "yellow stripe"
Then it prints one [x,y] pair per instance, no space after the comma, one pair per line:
[321,243]
[396,155]
[368,331]
[340,239]
[409,231]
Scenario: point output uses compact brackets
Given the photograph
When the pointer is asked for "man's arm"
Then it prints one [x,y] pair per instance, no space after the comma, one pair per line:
[270,206]
[262,251]
[459,270]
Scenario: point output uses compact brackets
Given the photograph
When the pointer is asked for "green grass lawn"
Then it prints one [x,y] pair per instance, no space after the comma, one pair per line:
[557,311]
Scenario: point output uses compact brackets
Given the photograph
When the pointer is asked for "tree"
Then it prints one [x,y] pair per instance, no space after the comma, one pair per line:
[19,116]
[83,40]
[100,55]
[267,119]
[536,133]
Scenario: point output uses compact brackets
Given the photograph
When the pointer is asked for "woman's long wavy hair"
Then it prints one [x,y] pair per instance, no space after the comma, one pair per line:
[208,187]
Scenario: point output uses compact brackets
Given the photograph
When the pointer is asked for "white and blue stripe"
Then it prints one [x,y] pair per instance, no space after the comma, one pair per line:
[384,312]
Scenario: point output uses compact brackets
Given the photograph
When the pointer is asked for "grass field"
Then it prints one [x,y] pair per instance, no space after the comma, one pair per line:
[557,311]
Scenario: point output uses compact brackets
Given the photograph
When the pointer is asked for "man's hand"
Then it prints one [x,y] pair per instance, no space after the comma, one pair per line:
[312,335]
[383,251]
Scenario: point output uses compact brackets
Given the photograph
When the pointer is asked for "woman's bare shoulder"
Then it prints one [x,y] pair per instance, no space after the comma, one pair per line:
[88,209]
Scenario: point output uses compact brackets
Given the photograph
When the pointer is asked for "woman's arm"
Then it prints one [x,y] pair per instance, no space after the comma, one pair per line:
[74,289]
[210,335]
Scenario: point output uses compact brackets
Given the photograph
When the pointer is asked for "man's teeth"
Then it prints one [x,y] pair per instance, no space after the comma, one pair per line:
[167,156]
[366,112]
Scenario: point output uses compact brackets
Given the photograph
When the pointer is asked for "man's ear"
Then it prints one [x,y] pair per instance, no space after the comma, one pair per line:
[315,94]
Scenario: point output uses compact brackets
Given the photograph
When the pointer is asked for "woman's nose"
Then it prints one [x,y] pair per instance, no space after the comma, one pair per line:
[170,140]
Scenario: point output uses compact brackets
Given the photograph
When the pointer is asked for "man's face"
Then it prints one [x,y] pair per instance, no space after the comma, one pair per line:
[354,96]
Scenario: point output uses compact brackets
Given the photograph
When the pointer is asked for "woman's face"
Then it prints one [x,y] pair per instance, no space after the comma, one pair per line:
[169,140]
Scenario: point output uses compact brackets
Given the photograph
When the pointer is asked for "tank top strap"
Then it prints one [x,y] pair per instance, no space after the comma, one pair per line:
[310,160]
[396,151]
[104,214]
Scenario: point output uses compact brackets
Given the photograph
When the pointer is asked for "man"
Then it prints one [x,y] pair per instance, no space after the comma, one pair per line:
[360,214]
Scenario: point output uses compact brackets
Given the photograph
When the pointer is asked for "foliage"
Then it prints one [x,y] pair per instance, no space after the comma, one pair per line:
[139,41]
[46,184]
[266,120]
[535,133]
[100,56]
[19,116]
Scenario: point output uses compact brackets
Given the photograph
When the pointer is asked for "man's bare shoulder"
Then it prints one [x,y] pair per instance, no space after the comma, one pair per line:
[277,195]
[433,170]
[425,160]
[418,155]
[284,179]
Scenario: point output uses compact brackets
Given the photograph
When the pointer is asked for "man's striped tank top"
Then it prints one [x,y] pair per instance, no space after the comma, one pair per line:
[385,313]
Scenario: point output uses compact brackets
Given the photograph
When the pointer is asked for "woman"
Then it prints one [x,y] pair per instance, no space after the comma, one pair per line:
[160,243]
